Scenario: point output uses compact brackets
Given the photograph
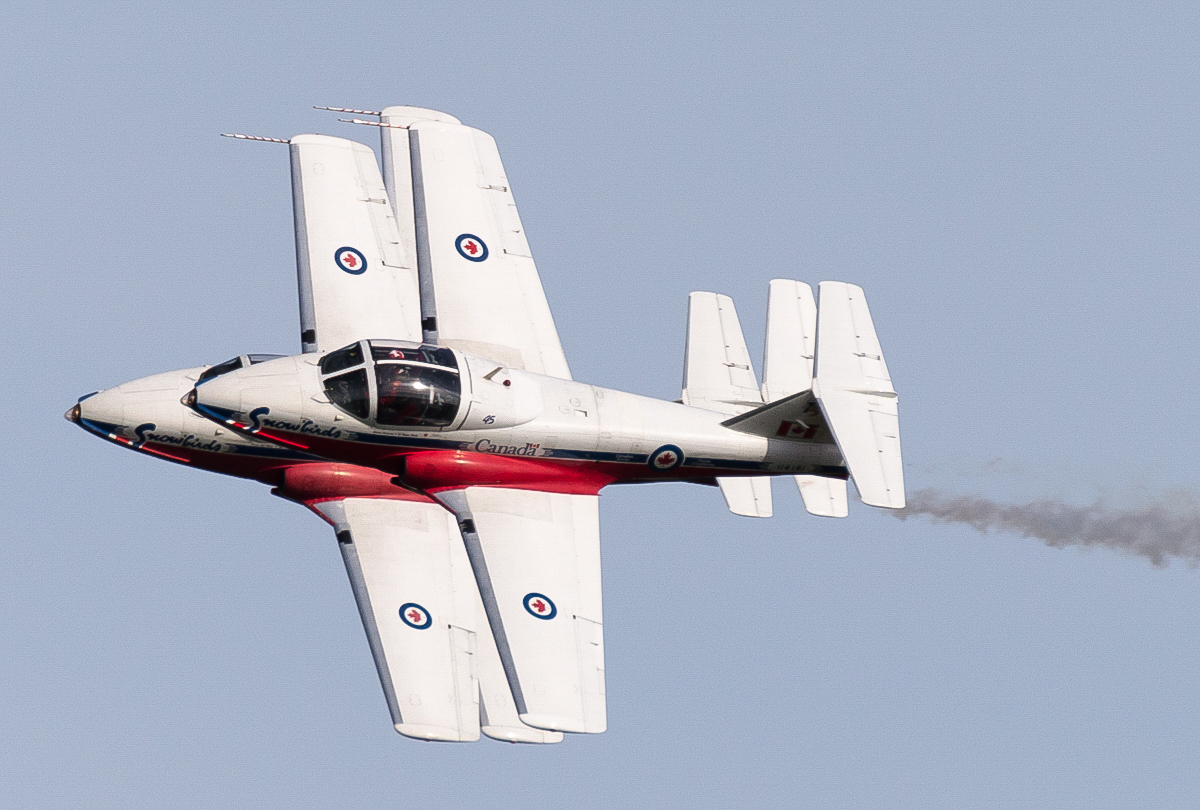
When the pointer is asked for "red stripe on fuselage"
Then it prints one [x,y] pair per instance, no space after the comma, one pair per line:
[435,470]
[275,437]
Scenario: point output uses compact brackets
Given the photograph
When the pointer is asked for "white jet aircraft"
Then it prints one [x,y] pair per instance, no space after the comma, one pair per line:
[432,421]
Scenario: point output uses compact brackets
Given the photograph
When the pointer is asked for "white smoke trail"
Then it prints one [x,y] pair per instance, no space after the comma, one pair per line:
[1166,529]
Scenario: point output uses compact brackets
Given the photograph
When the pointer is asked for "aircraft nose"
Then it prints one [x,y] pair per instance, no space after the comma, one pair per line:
[220,396]
[240,397]
[106,409]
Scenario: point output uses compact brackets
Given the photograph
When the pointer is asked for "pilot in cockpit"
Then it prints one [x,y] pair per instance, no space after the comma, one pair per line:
[399,401]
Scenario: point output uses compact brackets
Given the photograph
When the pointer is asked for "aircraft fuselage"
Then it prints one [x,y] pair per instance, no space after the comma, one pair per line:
[508,427]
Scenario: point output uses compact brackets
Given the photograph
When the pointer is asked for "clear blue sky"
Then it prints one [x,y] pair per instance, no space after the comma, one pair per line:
[1014,185]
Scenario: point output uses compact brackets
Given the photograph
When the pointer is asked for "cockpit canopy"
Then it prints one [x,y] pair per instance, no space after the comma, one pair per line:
[241,361]
[393,383]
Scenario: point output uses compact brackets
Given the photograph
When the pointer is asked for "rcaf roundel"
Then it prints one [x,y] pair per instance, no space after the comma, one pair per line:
[351,260]
[540,606]
[471,247]
[415,616]
[667,457]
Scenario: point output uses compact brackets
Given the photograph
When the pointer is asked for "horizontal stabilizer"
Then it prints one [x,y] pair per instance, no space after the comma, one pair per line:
[791,339]
[824,497]
[717,375]
[716,368]
[855,393]
[748,497]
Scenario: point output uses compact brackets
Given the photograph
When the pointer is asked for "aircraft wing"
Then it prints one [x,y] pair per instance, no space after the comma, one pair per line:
[356,279]
[424,621]
[536,559]
[481,292]
[397,167]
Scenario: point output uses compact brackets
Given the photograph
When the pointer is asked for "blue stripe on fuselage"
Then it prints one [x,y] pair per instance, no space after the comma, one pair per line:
[715,464]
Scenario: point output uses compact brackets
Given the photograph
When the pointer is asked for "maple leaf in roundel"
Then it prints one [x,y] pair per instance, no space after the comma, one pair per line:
[666,459]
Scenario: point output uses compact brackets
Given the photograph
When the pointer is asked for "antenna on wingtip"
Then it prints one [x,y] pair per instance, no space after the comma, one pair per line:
[242,137]
[349,110]
[372,123]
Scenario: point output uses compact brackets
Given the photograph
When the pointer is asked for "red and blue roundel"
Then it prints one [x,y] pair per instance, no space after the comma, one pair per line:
[540,606]
[471,247]
[415,616]
[351,260]
[667,457]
